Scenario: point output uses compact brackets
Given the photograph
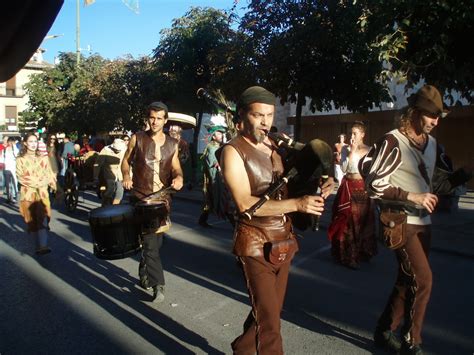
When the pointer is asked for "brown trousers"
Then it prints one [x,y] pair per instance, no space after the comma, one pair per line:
[412,290]
[266,284]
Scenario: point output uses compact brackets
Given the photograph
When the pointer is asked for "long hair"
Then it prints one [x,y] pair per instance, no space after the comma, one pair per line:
[23,149]
[404,118]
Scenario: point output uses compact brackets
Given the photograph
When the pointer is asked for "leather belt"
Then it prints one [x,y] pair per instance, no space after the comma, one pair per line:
[408,210]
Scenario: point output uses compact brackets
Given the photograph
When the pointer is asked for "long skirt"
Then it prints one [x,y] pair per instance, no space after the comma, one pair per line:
[352,229]
[34,214]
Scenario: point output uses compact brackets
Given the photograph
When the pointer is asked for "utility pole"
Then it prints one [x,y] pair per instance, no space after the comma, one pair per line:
[78,25]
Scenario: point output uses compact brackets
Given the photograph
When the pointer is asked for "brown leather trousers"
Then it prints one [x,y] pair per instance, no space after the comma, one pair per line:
[412,290]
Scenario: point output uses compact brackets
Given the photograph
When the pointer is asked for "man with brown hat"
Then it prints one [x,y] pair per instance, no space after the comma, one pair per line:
[398,173]
[250,163]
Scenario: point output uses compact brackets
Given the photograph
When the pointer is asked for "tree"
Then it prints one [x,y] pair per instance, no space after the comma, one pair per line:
[424,40]
[195,52]
[121,91]
[316,50]
[59,96]
[98,96]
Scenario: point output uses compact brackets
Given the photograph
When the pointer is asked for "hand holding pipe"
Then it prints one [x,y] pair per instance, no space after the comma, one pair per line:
[315,219]
[248,214]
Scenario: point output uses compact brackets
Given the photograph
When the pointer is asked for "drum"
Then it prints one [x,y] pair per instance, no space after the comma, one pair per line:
[152,215]
[115,232]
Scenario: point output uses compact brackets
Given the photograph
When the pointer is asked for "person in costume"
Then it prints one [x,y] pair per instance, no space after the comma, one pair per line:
[352,228]
[250,164]
[216,200]
[154,156]
[399,171]
[35,176]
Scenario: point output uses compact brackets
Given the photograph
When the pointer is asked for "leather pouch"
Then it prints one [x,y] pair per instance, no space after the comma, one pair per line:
[393,229]
[280,251]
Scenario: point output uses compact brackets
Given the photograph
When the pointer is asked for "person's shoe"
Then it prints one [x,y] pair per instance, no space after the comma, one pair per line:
[158,294]
[387,340]
[144,282]
[203,220]
[204,224]
[410,349]
[43,250]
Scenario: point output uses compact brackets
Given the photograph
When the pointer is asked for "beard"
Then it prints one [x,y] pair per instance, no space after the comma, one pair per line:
[258,136]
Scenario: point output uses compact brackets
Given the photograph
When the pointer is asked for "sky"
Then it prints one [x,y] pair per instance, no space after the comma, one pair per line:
[112,30]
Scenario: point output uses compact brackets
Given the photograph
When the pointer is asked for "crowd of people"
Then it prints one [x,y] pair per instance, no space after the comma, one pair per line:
[32,170]
[393,177]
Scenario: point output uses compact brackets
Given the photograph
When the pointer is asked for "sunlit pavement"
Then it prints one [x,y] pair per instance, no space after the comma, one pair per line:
[71,302]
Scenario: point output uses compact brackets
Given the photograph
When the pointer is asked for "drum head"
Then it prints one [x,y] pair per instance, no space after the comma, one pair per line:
[111,211]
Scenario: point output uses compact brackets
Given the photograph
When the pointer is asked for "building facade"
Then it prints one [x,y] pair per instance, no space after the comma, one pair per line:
[14,99]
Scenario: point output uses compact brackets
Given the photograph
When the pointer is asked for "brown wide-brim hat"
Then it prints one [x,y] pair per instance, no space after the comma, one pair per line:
[429,99]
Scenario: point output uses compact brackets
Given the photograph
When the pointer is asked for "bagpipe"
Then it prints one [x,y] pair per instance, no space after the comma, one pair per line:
[306,166]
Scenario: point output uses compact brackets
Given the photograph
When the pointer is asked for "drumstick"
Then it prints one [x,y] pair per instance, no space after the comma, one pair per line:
[165,190]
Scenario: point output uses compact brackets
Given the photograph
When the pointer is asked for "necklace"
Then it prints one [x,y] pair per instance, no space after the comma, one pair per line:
[418,141]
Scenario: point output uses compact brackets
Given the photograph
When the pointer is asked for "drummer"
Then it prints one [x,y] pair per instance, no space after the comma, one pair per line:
[154,157]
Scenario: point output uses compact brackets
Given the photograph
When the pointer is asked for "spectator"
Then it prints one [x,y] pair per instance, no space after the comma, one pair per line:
[9,155]
[107,167]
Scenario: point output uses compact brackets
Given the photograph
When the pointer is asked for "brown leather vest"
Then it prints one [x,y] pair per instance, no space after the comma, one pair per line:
[144,163]
[250,236]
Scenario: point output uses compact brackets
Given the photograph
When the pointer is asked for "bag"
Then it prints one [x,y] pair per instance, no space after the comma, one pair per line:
[280,251]
[393,229]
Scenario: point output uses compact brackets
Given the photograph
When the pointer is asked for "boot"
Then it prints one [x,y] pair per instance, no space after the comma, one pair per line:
[158,293]
[203,220]
[410,349]
[387,340]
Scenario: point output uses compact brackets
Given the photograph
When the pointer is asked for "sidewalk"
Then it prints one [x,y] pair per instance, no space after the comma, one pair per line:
[453,232]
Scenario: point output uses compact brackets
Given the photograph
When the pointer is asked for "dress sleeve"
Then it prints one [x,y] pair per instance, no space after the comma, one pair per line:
[382,160]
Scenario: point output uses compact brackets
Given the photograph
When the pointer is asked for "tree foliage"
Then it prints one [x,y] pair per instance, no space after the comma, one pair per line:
[316,50]
[424,40]
[97,96]
[199,50]
[338,53]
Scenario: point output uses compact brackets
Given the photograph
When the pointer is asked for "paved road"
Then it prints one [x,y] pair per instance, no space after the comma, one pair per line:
[71,302]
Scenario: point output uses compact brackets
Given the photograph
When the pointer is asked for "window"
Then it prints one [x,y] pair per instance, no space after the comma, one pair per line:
[11,87]
[10,115]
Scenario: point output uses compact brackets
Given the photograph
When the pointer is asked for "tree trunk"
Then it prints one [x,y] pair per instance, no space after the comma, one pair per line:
[194,153]
[299,106]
